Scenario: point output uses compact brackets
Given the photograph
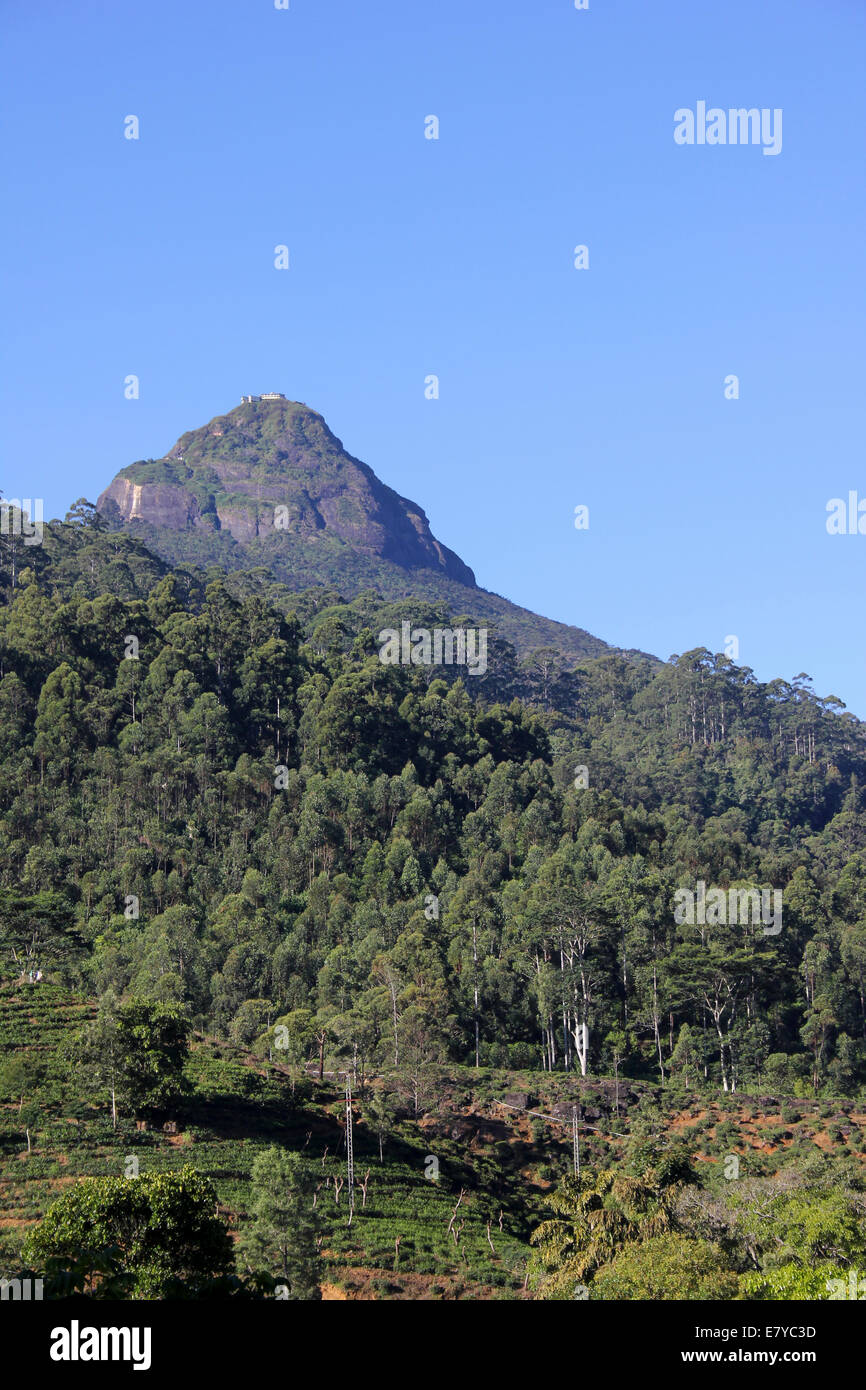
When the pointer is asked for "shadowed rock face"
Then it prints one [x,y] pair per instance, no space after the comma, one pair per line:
[269,488]
[273,469]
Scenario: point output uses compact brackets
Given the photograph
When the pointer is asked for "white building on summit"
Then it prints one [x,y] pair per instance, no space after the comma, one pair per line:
[265,396]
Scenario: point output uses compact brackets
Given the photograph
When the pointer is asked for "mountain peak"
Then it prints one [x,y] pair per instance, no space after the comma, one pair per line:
[271,469]
[269,486]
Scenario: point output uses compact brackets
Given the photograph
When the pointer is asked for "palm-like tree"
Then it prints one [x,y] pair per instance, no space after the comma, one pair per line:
[591,1224]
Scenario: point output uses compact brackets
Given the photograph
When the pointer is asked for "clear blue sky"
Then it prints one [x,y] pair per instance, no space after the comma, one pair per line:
[455,257]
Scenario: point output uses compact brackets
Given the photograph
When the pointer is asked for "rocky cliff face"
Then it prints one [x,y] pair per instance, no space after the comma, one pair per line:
[273,467]
[268,487]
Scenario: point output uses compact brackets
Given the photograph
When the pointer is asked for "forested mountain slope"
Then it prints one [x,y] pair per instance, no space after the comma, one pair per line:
[418,864]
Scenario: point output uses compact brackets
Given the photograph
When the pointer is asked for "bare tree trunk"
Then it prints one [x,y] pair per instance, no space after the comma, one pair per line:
[475,983]
[658,1038]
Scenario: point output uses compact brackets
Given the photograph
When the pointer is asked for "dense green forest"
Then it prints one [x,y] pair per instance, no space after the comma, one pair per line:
[218,806]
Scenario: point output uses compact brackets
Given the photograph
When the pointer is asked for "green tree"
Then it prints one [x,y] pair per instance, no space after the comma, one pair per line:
[665,1268]
[381,1114]
[137,1051]
[38,932]
[283,1237]
[793,1282]
[591,1224]
[60,721]
[164,1226]
[685,1058]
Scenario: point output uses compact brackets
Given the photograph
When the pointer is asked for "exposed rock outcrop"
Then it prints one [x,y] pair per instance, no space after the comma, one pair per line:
[272,466]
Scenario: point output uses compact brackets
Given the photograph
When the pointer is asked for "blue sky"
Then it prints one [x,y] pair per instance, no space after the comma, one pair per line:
[454,257]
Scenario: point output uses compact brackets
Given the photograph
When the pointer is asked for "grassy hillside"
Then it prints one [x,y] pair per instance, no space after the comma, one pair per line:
[501,1159]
